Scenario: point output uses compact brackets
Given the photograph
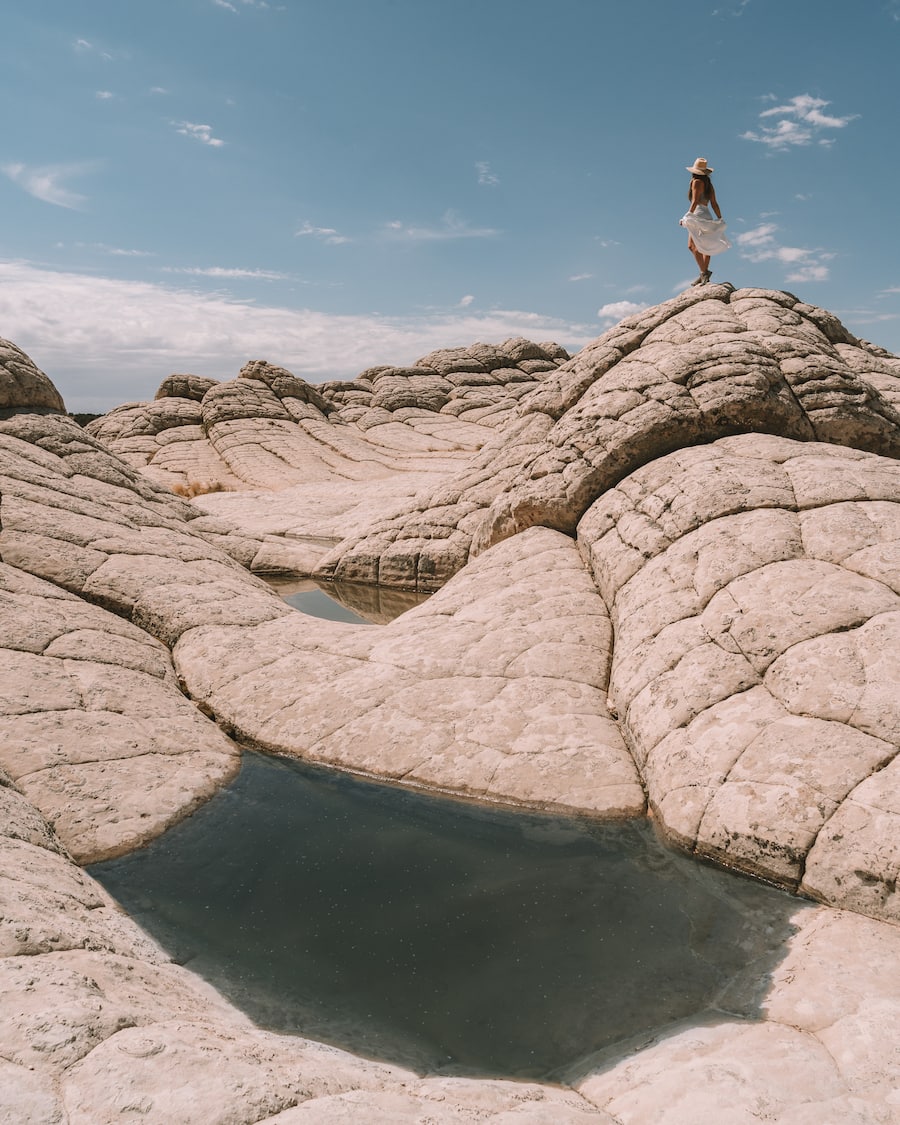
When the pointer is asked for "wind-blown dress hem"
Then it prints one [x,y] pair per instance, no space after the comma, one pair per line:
[707,232]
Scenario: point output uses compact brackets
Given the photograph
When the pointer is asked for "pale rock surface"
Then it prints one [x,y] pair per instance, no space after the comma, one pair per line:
[724,636]
[268,429]
[98,1027]
[710,362]
[824,1050]
[494,687]
[298,525]
[754,590]
[93,727]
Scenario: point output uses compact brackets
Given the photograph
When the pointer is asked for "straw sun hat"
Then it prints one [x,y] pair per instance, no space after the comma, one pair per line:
[700,167]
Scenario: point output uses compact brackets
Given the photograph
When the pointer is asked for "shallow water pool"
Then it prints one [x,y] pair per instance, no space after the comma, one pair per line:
[442,935]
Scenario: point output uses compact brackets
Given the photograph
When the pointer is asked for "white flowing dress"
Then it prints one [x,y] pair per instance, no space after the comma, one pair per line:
[707,232]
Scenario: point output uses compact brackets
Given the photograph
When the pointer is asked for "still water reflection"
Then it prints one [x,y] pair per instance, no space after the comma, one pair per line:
[346,601]
[439,934]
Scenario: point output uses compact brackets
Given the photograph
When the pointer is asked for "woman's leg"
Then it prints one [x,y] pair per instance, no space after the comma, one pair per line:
[702,260]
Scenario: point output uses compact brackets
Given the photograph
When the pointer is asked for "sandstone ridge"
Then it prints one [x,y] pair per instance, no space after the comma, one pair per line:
[667,579]
[269,429]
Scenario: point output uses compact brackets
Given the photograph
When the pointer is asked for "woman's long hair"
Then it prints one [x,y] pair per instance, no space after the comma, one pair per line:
[707,183]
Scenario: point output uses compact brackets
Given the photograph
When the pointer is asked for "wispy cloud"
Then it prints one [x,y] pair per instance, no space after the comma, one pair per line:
[798,122]
[47,182]
[866,316]
[736,9]
[246,3]
[617,310]
[466,301]
[581,277]
[104,95]
[105,341]
[452,227]
[486,177]
[202,133]
[103,248]
[228,273]
[158,90]
[325,234]
[86,47]
[761,245]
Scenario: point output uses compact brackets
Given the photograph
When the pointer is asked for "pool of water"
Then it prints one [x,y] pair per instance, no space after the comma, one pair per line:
[447,936]
[346,601]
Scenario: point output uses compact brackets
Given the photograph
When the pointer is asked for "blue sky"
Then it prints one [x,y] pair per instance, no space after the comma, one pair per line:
[333,184]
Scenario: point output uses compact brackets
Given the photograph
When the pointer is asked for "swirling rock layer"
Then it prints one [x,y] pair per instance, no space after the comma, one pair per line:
[268,429]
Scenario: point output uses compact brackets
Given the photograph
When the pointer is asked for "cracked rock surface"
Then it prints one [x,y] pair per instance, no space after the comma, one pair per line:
[667,580]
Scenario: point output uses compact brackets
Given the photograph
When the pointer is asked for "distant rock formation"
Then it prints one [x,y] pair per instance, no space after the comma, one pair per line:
[668,581]
[23,385]
[268,429]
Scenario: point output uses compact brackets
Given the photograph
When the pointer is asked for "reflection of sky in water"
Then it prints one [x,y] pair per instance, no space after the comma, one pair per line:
[318,604]
[346,601]
[436,933]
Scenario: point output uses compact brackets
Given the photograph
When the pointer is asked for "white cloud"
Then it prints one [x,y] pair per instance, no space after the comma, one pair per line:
[227,272]
[812,272]
[104,95]
[452,227]
[202,133]
[158,90]
[115,251]
[247,3]
[46,183]
[326,234]
[760,236]
[802,122]
[85,46]
[581,277]
[761,245]
[618,310]
[105,341]
[466,301]
[486,177]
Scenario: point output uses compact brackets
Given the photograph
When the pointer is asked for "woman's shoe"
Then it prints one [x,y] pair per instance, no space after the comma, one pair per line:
[705,276]
[701,280]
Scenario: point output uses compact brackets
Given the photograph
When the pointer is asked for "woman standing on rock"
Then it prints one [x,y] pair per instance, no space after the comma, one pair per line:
[706,235]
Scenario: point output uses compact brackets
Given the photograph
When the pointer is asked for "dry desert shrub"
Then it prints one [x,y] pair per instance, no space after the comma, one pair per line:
[199,488]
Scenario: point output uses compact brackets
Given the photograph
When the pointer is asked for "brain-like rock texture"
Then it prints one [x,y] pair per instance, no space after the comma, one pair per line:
[269,429]
[667,582]
[697,368]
